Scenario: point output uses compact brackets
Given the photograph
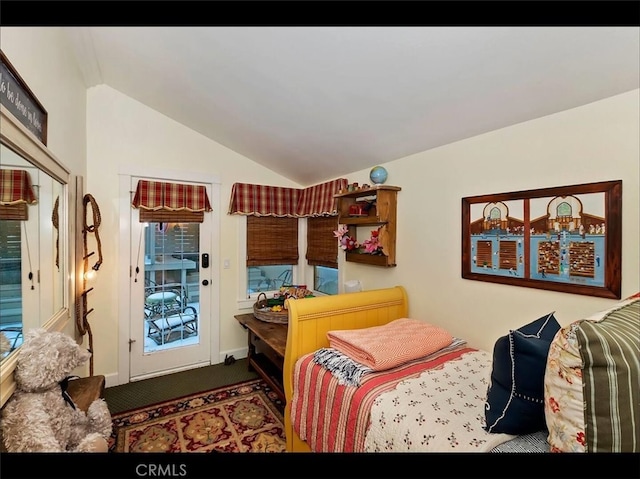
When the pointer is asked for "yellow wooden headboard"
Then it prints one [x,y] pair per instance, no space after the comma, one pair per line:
[310,320]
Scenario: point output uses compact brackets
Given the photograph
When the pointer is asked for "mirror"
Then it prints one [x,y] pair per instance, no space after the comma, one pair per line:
[34,249]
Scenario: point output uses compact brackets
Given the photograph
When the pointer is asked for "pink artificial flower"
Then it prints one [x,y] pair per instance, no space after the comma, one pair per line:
[372,244]
[340,232]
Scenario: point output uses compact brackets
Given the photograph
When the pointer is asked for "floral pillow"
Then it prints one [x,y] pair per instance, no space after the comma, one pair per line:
[587,360]
[515,398]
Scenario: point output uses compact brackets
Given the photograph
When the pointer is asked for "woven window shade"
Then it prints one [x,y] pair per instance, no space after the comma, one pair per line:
[322,245]
[161,216]
[14,212]
[272,240]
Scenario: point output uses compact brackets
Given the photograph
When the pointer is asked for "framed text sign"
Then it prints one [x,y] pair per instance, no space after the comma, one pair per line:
[566,239]
[16,96]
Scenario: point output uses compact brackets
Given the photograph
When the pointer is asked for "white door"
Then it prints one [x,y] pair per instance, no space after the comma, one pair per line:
[170,300]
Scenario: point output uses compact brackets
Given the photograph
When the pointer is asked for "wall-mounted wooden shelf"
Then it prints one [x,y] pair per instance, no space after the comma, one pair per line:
[381,213]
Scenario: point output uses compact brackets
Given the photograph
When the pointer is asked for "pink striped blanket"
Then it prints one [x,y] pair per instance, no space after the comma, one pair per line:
[334,418]
[390,345]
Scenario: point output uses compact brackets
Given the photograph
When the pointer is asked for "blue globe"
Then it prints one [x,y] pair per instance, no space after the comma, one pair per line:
[378,175]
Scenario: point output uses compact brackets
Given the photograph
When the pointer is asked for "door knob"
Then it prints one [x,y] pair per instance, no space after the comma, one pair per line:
[205,282]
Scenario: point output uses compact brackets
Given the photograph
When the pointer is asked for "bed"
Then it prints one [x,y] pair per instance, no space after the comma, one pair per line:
[326,414]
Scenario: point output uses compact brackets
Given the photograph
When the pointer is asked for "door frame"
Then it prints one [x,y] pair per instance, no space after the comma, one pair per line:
[125,269]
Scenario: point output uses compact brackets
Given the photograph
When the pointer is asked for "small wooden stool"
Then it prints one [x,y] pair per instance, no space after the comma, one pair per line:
[84,391]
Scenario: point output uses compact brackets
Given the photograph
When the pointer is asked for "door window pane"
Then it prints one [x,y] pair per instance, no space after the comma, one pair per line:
[172,284]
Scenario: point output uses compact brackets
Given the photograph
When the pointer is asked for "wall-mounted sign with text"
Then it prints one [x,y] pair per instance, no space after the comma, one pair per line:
[16,96]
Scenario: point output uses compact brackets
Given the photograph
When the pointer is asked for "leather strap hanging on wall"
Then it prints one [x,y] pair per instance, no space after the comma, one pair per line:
[55,220]
[82,312]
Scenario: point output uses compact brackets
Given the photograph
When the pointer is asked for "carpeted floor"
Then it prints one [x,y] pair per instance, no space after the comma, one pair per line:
[245,417]
[139,394]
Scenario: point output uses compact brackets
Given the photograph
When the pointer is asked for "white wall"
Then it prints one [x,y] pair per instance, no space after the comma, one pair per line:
[596,142]
[44,59]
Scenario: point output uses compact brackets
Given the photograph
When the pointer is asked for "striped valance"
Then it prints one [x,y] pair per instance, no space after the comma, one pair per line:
[16,193]
[161,202]
[15,188]
[318,200]
[156,195]
[264,200]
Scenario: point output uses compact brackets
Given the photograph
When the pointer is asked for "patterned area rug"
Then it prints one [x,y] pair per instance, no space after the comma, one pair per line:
[245,417]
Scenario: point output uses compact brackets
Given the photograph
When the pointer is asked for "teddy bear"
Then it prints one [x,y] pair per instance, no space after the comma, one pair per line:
[40,416]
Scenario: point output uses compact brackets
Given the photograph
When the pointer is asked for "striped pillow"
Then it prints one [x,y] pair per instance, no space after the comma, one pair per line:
[592,378]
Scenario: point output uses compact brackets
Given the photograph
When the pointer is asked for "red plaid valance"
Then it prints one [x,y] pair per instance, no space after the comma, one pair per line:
[157,196]
[318,200]
[15,188]
[263,200]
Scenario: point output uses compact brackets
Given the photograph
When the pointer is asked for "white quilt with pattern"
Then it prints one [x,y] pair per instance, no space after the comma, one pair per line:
[442,410]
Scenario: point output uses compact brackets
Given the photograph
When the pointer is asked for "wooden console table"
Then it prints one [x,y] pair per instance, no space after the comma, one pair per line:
[267,343]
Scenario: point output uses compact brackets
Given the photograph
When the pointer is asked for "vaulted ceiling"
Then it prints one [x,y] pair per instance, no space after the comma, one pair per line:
[315,103]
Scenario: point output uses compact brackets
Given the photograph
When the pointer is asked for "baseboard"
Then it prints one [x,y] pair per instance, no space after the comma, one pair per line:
[236,353]
[240,353]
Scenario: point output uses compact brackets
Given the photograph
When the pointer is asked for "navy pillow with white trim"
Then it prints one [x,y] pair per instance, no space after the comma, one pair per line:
[515,397]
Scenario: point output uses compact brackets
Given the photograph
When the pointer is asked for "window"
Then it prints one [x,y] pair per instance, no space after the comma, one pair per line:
[325,280]
[272,233]
[272,250]
[322,253]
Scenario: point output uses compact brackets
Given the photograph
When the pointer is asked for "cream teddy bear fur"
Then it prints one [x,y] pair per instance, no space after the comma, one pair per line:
[37,418]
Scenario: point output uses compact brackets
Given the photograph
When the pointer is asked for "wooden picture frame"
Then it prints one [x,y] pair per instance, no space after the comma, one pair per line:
[566,239]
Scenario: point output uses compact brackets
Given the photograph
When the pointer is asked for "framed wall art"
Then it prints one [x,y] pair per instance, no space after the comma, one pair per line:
[566,239]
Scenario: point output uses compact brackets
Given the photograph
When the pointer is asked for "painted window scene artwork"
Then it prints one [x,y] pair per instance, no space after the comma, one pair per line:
[559,239]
